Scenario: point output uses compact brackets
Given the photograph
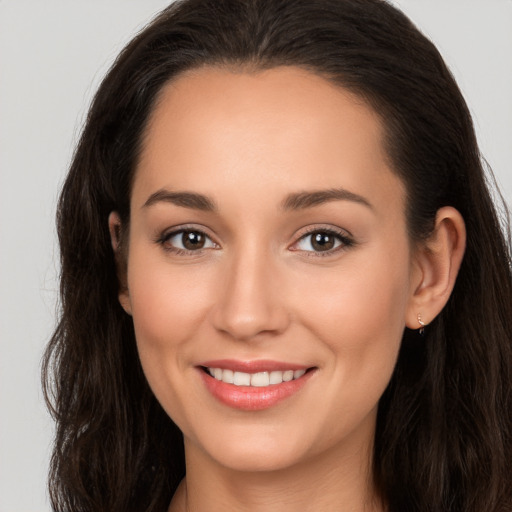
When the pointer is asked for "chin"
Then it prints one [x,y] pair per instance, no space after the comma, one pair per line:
[256,461]
[263,450]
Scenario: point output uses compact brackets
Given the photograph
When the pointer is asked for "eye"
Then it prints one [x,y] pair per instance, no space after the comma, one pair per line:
[187,240]
[322,241]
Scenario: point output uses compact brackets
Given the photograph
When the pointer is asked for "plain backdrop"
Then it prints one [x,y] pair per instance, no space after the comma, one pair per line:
[53,55]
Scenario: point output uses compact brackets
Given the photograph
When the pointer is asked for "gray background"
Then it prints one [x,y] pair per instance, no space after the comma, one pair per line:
[52,57]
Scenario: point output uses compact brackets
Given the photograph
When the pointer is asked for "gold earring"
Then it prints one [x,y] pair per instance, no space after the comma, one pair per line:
[422,324]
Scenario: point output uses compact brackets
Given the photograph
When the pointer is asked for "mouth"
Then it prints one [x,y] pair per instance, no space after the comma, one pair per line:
[258,379]
[253,386]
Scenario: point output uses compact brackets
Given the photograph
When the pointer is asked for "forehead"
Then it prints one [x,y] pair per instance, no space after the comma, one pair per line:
[263,131]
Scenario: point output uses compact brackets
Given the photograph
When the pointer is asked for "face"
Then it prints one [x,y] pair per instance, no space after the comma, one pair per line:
[269,269]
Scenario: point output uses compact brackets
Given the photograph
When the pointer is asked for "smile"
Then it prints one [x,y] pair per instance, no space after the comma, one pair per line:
[259,379]
[253,386]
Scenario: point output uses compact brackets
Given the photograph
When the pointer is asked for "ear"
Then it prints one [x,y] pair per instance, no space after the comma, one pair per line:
[120,254]
[435,267]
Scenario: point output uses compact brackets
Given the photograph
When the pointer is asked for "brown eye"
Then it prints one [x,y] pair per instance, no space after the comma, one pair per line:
[192,240]
[322,241]
[187,240]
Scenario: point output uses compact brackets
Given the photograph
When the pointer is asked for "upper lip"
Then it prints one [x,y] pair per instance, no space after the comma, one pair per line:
[255,366]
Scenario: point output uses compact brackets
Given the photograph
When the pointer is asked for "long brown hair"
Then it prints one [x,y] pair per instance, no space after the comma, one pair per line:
[444,428]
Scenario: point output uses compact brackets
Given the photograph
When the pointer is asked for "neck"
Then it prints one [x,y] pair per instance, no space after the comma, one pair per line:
[332,482]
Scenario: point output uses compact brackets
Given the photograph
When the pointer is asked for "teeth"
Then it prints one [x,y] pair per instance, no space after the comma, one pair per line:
[298,373]
[288,375]
[275,377]
[259,379]
[241,379]
[228,376]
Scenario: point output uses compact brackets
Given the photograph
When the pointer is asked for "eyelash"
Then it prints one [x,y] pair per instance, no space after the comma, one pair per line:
[164,238]
[345,240]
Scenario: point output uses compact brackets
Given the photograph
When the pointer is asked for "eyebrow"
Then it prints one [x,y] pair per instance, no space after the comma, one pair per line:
[295,201]
[184,199]
[308,199]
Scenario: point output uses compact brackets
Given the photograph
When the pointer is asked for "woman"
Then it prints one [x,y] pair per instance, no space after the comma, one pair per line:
[284,282]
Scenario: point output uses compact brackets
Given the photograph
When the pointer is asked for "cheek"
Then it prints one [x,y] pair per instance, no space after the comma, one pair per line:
[167,303]
[359,301]
[359,318]
[359,313]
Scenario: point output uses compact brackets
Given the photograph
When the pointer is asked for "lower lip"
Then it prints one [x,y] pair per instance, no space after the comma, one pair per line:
[249,398]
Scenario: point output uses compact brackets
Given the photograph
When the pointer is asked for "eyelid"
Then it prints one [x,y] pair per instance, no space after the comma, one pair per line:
[345,237]
[163,237]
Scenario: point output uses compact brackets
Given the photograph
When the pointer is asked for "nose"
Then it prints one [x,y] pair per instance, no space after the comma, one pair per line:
[251,303]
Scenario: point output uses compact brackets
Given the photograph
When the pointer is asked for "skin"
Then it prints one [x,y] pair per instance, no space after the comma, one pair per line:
[260,290]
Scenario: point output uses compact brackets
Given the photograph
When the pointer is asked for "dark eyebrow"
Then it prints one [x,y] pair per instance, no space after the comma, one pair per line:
[307,199]
[185,199]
